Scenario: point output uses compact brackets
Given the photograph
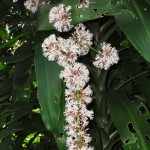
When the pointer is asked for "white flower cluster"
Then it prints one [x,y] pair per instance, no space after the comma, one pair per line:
[66,51]
[32,5]
[76,76]
[83,38]
[60,17]
[76,114]
[107,57]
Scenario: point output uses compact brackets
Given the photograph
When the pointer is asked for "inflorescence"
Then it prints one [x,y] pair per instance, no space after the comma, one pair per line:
[107,57]
[76,76]
[32,5]
[65,52]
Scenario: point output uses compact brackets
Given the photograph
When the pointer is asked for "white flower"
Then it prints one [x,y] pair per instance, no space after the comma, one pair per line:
[60,17]
[50,48]
[65,52]
[75,76]
[70,143]
[84,94]
[76,116]
[32,5]
[68,53]
[83,38]
[87,148]
[86,113]
[84,4]
[107,57]
[87,138]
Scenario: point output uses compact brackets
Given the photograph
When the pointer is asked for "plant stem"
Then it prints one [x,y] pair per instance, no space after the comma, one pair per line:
[78,97]
[93,49]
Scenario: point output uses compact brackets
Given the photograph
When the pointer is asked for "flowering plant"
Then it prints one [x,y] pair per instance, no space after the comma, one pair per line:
[77,65]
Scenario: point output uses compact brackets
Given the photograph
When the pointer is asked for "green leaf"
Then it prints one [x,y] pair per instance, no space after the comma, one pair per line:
[49,90]
[2,66]
[11,42]
[49,95]
[30,124]
[21,54]
[3,98]
[135,24]
[131,122]
[3,33]
[6,144]
[22,80]
[19,110]
[6,132]
[96,9]
[5,86]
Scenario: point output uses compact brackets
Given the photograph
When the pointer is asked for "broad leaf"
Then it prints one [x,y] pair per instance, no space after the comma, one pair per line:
[131,120]
[49,90]
[96,9]
[135,24]
[50,96]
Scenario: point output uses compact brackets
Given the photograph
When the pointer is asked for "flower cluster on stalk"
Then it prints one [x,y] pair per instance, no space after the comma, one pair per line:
[65,52]
[77,116]
[107,57]
[76,76]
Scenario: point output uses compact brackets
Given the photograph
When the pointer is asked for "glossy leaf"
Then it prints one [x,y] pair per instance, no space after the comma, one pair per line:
[135,24]
[50,96]
[131,122]
[49,90]
[96,9]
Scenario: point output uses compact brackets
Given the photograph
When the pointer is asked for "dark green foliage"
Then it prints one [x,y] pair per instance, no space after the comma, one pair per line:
[32,95]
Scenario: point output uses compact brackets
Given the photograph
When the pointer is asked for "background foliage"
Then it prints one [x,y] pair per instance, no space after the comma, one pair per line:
[121,95]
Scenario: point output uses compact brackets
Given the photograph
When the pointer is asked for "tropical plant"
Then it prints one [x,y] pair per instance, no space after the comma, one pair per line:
[32,95]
